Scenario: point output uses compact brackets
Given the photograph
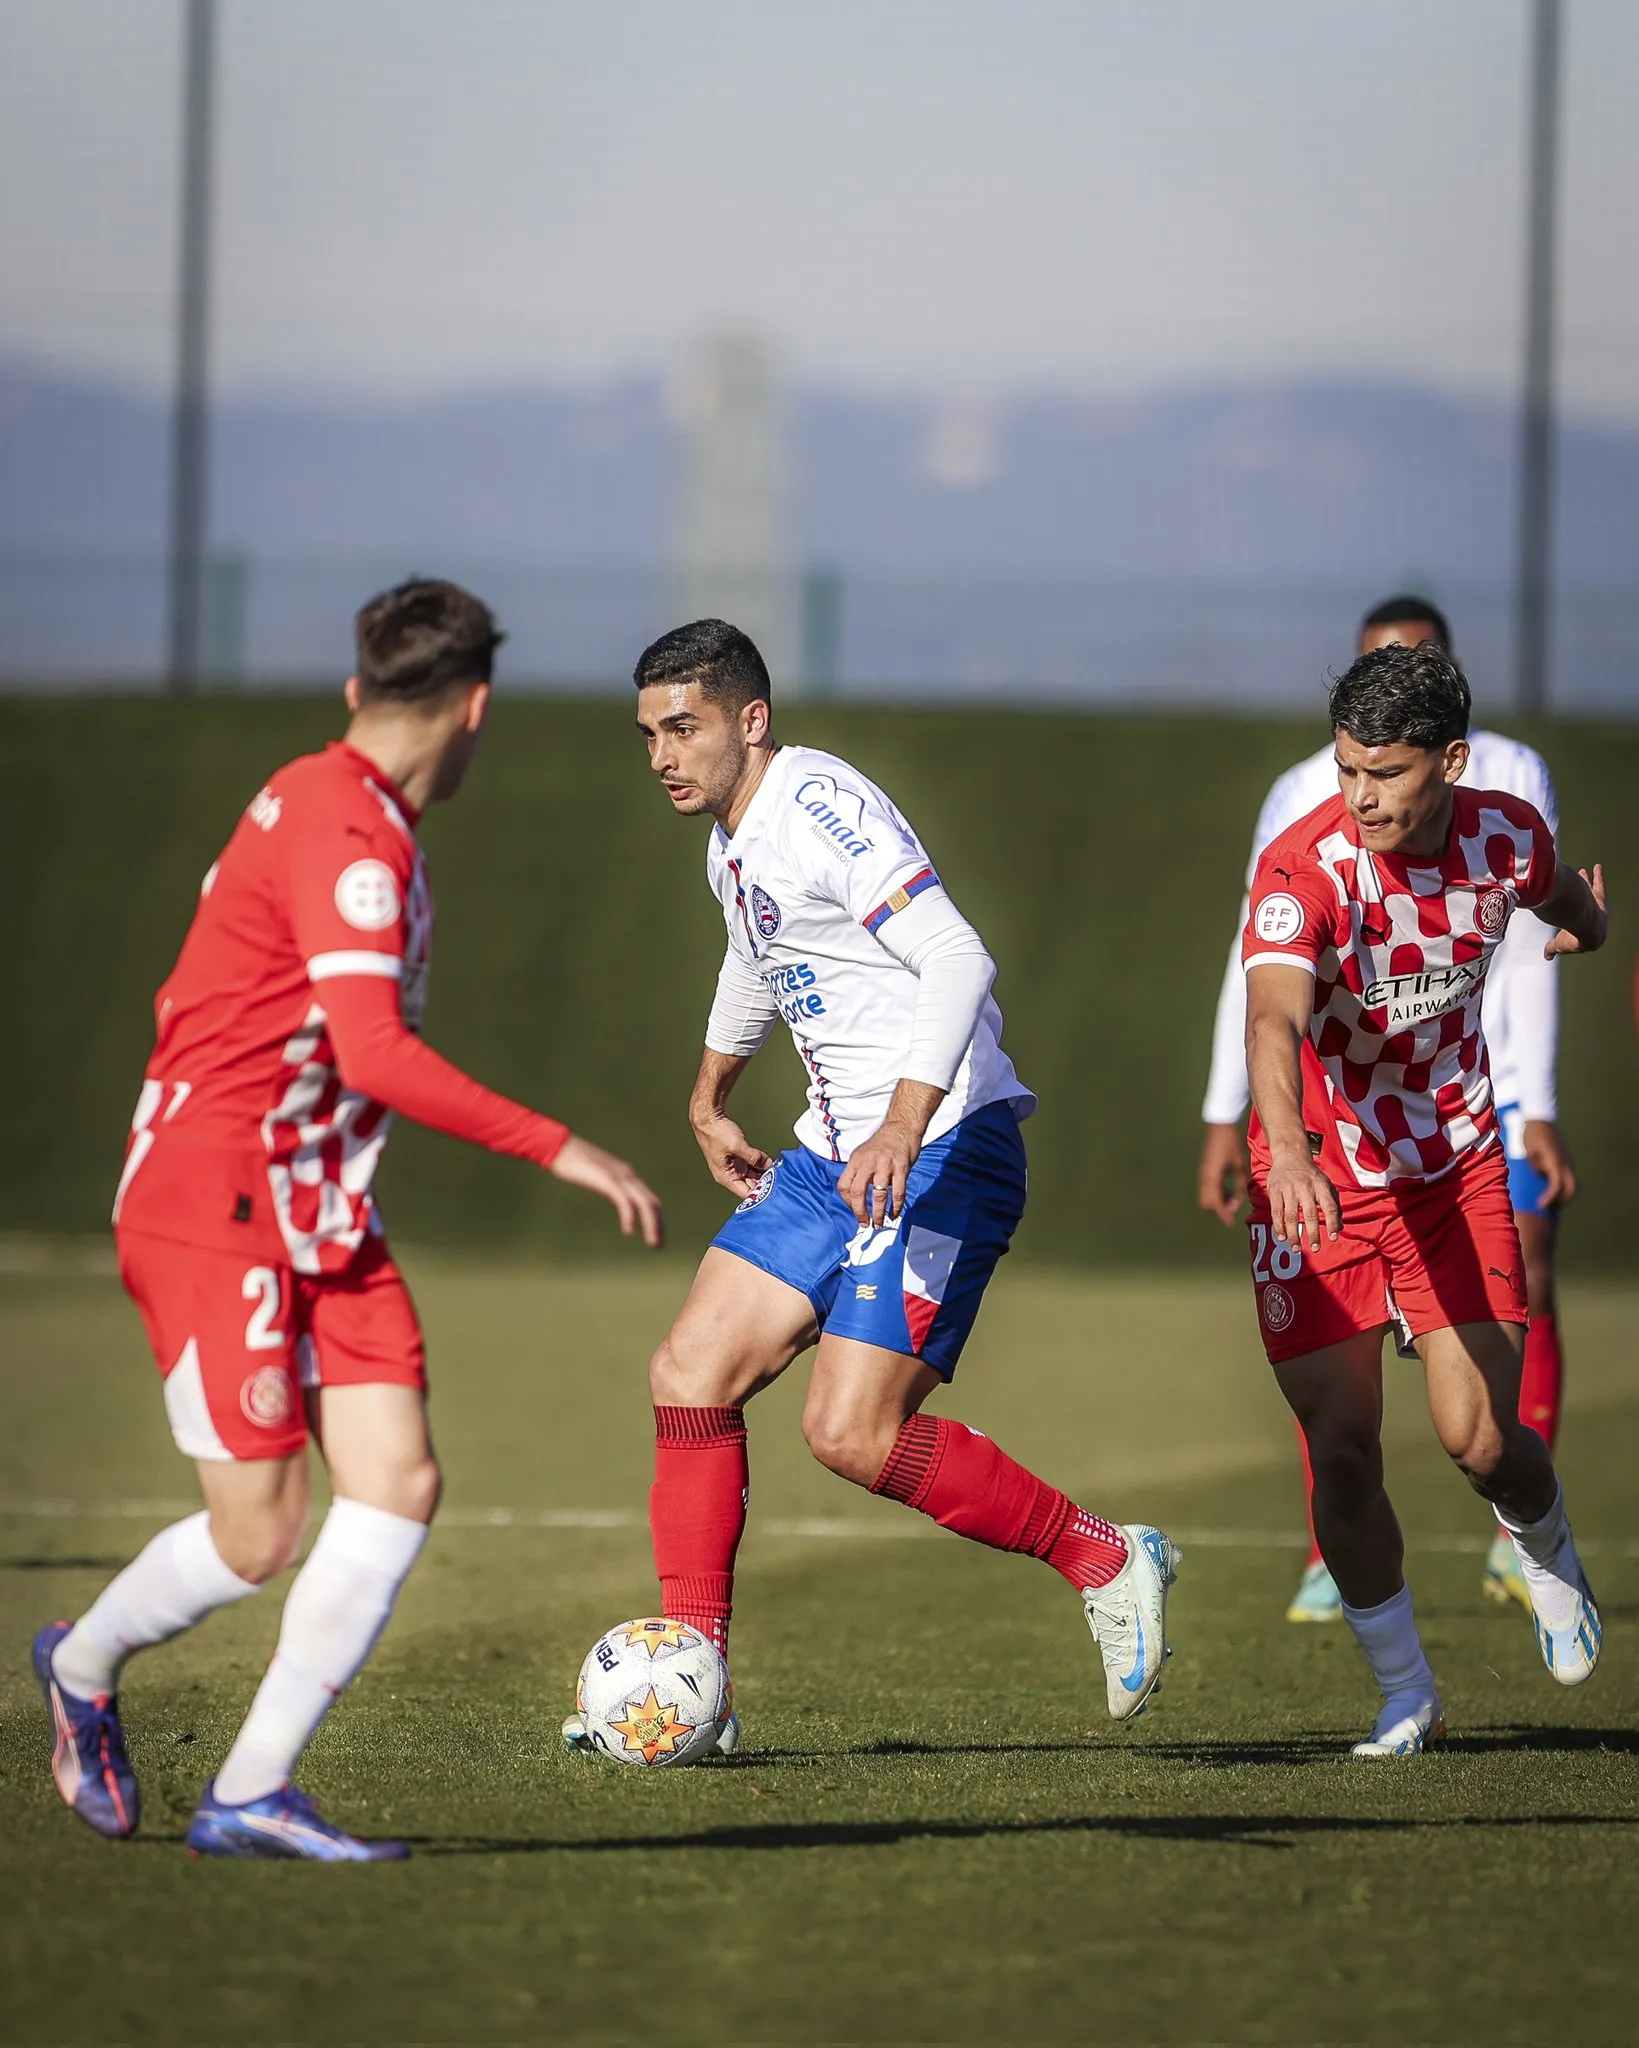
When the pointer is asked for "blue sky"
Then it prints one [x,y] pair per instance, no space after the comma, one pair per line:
[974,195]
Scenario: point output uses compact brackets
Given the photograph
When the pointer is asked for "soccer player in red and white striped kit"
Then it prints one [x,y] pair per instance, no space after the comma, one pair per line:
[1379,1181]
[287,1035]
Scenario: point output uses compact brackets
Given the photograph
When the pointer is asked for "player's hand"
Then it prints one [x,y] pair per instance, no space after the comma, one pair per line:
[1301,1201]
[583,1165]
[736,1164]
[1221,1187]
[1546,1151]
[1568,942]
[874,1180]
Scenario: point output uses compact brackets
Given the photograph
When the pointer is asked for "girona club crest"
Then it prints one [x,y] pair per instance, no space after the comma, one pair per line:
[1278,1308]
[1491,911]
[267,1397]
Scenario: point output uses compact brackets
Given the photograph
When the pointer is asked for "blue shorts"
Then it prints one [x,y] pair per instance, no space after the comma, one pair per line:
[1526,1187]
[915,1285]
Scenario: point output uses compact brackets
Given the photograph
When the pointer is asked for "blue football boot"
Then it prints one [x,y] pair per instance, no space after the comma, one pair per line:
[285,1823]
[88,1761]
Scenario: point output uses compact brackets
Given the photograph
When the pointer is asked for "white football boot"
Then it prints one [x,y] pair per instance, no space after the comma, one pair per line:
[1409,1723]
[1128,1618]
[1564,1614]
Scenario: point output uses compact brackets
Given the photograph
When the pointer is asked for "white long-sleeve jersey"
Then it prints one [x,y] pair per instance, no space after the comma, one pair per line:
[1519,1013]
[834,916]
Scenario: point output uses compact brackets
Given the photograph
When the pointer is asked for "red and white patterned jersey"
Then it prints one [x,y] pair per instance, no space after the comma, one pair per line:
[244,1135]
[1399,946]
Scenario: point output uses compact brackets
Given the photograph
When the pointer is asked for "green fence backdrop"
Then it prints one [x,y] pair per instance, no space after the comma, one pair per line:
[577,945]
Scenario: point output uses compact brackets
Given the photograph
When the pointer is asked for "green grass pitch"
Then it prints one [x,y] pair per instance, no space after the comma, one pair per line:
[933,1833]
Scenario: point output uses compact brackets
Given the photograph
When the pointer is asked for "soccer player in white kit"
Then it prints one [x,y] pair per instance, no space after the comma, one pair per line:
[1521,1023]
[875,1235]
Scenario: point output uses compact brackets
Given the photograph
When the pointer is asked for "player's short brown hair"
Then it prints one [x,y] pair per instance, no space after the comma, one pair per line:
[421,639]
[719,657]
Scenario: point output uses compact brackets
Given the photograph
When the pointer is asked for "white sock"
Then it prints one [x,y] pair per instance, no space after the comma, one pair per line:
[169,1587]
[1549,1563]
[333,1615]
[1393,1648]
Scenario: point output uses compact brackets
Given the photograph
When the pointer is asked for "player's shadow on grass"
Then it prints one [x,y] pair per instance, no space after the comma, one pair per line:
[1270,1752]
[1275,1832]
[1518,1735]
[63,1564]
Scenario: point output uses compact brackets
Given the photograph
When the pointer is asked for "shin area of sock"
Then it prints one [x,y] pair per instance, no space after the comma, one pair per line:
[1539,1542]
[969,1485]
[1394,1650]
[697,1513]
[334,1614]
[1542,1379]
[170,1586]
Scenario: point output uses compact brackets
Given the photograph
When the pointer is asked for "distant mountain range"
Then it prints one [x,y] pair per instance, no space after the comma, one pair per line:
[1329,491]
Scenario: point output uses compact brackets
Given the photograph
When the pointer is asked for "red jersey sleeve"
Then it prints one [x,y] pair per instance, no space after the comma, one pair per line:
[349,878]
[1291,911]
[378,1054]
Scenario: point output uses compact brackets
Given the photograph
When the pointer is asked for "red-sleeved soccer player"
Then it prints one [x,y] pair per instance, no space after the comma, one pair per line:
[249,1239]
[1379,1182]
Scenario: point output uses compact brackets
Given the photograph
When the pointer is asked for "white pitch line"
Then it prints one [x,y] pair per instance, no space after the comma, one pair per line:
[820,1528]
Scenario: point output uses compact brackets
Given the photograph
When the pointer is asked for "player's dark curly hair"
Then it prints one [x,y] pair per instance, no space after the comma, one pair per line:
[1402,697]
[1406,610]
[421,639]
[719,657]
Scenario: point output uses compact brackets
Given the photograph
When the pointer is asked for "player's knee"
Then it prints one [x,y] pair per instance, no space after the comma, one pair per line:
[1346,1460]
[1478,1448]
[258,1546]
[668,1380]
[420,1488]
[846,1445]
[688,1375]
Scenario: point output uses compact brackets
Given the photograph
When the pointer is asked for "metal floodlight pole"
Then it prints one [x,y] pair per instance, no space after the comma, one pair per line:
[1536,462]
[190,424]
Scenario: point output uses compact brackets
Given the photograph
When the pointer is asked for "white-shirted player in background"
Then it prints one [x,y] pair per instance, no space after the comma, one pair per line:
[1521,1023]
[876,1234]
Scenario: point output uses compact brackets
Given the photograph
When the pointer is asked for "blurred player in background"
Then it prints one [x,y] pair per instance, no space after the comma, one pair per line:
[1521,1015]
[876,1235]
[1379,1183]
[249,1239]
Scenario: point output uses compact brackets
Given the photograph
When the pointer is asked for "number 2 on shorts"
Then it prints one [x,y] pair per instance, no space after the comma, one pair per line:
[1271,1257]
[261,1285]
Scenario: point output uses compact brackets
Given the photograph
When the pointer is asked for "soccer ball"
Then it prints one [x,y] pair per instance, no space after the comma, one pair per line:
[654,1692]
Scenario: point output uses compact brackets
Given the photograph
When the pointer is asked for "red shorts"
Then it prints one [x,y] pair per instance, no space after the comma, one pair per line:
[237,1344]
[1426,1254]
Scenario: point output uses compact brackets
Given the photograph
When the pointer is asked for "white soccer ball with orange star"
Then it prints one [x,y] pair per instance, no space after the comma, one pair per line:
[654,1692]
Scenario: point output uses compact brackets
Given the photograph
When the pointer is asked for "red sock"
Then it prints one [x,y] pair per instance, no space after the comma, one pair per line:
[966,1484]
[1543,1379]
[1308,1493]
[697,1513]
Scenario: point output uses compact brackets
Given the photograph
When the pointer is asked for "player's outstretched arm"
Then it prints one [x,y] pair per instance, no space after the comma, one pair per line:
[379,1055]
[736,1164]
[1576,904]
[1301,1198]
